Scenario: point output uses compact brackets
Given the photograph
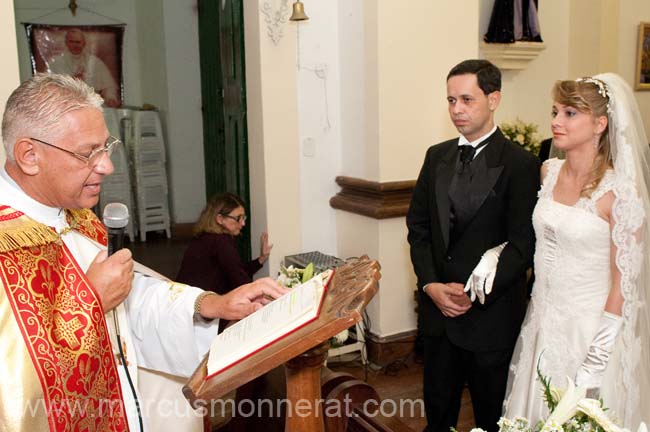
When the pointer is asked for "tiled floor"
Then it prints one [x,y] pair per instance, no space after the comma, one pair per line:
[401,381]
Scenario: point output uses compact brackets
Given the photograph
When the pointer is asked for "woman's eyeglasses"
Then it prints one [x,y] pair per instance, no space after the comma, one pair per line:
[239,218]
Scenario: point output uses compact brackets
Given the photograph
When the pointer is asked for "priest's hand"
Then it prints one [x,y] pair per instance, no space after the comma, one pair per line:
[241,301]
[111,277]
[448,298]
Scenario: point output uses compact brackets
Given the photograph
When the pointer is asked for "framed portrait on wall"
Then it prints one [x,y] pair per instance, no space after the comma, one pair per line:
[92,53]
[642,80]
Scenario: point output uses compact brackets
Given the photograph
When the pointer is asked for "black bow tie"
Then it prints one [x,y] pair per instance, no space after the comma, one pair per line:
[467,153]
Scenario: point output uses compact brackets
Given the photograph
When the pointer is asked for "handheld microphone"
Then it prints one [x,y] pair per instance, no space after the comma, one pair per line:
[116,218]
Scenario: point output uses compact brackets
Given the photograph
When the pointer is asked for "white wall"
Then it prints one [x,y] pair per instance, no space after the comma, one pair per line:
[319,107]
[183,110]
[9,74]
[273,133]
[353,52]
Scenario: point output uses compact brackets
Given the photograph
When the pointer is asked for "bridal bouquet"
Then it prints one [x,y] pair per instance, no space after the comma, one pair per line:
[570,411]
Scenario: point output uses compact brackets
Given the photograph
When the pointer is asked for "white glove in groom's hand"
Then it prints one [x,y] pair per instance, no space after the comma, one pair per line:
[481,280]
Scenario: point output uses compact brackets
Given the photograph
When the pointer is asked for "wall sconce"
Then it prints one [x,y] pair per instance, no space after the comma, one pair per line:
[298,13]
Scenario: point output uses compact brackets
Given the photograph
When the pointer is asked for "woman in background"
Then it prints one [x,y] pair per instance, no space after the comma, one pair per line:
[212,261]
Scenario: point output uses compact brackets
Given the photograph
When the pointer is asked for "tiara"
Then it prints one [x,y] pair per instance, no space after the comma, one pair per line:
[602,87]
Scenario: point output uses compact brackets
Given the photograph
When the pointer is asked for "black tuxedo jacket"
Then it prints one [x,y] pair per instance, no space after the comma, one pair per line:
[507,193]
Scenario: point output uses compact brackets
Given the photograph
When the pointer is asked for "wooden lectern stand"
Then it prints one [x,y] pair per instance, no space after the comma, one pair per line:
[303,352]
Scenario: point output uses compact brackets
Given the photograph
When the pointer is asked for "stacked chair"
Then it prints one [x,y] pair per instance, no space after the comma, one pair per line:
[149,173]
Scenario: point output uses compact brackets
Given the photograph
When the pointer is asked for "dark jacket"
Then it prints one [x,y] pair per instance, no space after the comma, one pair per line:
[212,262]
[507,191]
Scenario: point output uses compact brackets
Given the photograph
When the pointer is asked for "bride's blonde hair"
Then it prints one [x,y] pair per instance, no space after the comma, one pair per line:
[589,96]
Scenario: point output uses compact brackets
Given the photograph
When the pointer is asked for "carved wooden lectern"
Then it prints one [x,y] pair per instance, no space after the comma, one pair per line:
[303,352]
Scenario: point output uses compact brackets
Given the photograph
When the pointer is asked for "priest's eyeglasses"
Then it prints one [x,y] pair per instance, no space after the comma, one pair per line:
[239,218]
[92,158]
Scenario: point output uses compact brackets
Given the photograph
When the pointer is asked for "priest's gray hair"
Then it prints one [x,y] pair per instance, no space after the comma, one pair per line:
[35,108]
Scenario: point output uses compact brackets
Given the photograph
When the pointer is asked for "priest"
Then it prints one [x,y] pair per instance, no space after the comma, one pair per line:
[75,323]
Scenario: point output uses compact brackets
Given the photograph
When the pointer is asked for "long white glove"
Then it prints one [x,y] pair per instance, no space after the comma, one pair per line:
[590,373]
[480,281]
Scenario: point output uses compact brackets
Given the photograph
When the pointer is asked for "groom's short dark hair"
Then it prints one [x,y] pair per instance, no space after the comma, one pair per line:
[487,75]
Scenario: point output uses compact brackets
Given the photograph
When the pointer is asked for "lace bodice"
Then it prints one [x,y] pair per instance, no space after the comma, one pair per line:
[572,282]
[589,204]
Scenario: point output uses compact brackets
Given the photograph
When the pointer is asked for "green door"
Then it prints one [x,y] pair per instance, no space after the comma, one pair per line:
[223,90]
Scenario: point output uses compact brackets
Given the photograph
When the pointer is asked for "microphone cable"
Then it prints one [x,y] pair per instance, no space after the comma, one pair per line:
[126,369]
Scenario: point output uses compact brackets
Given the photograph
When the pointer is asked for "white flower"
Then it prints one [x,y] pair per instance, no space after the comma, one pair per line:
[340,338]
[552,426]
[592,409]
[477,430]
[516,424]
[505,424]
[567,407]
[521,423]
[520,139]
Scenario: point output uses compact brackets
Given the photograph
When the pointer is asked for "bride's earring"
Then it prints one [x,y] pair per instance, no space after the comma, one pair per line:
[596,141]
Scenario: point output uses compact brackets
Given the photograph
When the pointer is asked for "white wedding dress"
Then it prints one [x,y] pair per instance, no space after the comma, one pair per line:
[572,282]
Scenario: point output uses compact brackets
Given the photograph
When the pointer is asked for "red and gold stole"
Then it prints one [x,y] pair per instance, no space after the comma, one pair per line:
[61,325]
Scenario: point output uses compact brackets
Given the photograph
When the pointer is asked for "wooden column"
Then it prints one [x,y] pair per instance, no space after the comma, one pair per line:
[304,410]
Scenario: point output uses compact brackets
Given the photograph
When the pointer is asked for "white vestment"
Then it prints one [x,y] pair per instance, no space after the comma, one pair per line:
[156,321]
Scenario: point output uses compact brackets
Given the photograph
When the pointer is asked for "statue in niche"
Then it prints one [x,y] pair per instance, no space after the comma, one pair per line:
[513,20]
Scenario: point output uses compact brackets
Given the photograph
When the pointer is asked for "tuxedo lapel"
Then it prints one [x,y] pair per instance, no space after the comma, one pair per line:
[444,175]
[468,195]
[488,170]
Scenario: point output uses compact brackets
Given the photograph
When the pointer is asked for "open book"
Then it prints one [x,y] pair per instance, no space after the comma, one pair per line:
[300,306]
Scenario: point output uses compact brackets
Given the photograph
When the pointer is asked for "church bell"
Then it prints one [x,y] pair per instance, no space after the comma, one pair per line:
[298,13]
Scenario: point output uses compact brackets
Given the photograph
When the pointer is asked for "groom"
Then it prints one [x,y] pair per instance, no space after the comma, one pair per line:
[473,193]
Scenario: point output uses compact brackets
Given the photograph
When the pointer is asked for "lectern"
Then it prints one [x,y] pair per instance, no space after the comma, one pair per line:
[303,352]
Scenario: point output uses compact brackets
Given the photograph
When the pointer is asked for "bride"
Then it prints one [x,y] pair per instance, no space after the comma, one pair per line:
[588,316]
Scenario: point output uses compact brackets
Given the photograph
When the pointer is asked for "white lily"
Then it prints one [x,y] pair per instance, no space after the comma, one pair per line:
[568,405]
[592,409]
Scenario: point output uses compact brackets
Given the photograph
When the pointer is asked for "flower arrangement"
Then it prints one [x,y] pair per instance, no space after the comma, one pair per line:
[522,133]
[292,276]
[570,411]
